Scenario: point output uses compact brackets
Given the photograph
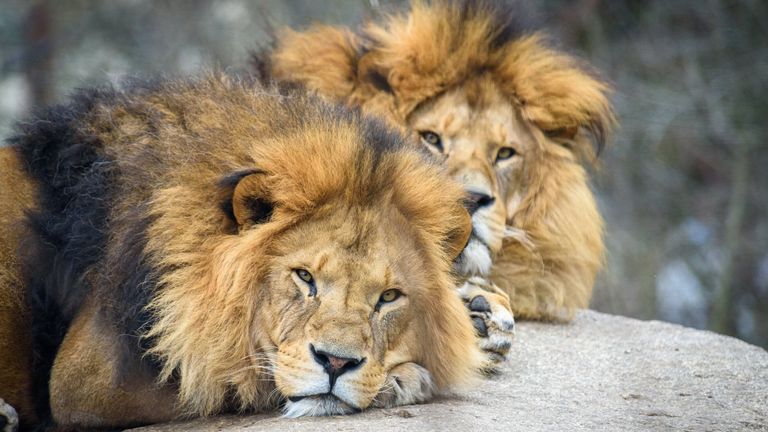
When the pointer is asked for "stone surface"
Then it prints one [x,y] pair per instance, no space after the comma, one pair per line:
[600,372]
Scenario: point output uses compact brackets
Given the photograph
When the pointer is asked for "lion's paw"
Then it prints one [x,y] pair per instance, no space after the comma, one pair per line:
[492,317]
[406,384]
[9,420]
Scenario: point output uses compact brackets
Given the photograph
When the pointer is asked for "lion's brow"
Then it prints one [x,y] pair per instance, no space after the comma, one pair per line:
[322,260]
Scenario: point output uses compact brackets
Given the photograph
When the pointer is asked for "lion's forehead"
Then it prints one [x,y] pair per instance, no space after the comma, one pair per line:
[370,239]
[483,127]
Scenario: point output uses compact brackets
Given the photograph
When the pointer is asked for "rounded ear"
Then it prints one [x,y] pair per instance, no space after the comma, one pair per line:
[458,236]
[250,201]
[568,132]
[369,72]
[247,199]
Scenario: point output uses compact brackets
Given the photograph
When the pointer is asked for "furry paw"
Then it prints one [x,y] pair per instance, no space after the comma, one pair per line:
[492,317]
[406,384]
[9,420]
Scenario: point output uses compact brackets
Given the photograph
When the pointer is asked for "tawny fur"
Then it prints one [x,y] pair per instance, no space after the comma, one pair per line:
[226,325]
[402,65]
[17,195]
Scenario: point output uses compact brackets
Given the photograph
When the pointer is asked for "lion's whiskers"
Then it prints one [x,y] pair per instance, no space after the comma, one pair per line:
[387,387]
[520,236]
[275,397]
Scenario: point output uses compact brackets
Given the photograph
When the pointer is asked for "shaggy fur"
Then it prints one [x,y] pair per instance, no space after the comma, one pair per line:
[172,218]
[469,71]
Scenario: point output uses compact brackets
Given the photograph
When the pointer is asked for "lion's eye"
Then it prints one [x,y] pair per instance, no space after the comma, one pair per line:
[307,277]
[505,153]
[432,139]
[389,296]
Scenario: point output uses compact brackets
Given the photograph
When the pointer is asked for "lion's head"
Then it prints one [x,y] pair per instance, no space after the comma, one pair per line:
[511,117]
[360,299]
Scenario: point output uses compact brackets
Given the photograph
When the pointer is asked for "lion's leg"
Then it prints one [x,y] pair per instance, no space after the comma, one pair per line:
[406,384]
[491,315]
[15,355]
[92,386]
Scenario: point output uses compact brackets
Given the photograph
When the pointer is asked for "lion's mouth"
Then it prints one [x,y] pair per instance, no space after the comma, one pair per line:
[298,398]
[476,257]
[324,396]
[323,404]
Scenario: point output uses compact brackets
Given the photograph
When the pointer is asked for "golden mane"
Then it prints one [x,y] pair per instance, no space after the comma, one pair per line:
[395,64]
[479,53]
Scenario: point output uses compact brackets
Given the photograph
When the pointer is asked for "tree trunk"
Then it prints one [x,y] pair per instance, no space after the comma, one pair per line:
[723,310]
[38,55]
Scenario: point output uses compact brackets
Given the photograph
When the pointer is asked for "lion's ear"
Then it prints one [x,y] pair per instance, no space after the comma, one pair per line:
[458,236]
[323,58]
[567,133]
[370,72]
[246,199]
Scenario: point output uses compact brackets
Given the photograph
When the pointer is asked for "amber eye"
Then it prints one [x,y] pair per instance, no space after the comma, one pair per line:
[389,296]
[432,139]
[307,277]
[505,153]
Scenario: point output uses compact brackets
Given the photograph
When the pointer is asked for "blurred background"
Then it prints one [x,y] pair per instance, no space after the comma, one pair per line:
[684,185]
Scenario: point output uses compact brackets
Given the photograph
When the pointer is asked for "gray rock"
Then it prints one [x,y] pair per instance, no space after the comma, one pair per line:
[600,372]
[9,420]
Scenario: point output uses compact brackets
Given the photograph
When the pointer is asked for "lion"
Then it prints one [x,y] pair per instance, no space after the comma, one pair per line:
[209,245]
[515,120]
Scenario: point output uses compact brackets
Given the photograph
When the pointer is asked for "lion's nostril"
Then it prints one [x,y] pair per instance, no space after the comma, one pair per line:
[477,200]
[318,356]
[336,362]
[485,201]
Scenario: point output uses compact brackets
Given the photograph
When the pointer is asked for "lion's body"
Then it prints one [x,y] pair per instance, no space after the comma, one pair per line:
[476,82]
[17,196]
[170,220]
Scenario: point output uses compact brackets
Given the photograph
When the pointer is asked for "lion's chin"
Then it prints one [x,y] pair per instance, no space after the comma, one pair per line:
[475,259]
[321,405]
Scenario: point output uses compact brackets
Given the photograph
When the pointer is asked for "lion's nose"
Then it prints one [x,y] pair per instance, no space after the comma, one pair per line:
[334,365]
[477,200]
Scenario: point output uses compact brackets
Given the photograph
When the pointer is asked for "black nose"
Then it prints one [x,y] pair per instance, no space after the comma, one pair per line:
[334,366]
[477,200]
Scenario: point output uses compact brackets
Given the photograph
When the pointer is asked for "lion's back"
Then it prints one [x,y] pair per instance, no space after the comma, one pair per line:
[17,196]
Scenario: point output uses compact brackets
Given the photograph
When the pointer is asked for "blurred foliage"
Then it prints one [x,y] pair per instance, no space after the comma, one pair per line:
[683,187]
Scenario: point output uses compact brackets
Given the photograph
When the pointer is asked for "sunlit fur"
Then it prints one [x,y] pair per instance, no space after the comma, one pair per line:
[207,284]
[467,71]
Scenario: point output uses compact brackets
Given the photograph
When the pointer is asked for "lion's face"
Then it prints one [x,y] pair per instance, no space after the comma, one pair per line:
[485,144]
[349,287]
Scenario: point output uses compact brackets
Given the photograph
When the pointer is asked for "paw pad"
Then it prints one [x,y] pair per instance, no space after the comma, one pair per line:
[479,304]
[482,329]
[493,321]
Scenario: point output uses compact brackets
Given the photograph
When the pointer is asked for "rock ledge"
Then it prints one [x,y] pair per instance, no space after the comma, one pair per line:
[601,372]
